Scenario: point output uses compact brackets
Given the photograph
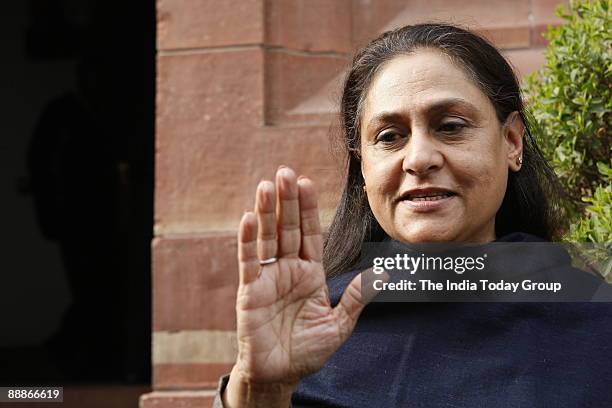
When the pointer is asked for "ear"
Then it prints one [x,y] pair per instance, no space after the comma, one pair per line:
[363,176]
[513,131]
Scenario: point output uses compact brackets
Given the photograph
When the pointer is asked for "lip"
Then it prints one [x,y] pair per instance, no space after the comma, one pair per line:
[426,206]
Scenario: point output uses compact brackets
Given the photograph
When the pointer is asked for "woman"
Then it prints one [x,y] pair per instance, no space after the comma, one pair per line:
[434,132]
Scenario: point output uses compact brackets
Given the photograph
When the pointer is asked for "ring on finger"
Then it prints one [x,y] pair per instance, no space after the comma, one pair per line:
[268,261]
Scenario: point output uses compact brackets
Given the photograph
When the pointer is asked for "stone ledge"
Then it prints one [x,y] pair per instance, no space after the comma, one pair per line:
[188,376]
[177,399]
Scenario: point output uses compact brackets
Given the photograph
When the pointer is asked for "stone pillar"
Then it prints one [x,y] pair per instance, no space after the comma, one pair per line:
[236,97]
[242,87]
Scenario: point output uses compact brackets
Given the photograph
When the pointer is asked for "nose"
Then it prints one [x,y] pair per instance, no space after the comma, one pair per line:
[422,155]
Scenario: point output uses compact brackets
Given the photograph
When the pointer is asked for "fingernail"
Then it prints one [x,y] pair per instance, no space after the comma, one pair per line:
[301,177]
[282,166]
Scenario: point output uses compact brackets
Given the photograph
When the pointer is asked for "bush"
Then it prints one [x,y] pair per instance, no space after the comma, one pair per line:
[596,225]
[571,102]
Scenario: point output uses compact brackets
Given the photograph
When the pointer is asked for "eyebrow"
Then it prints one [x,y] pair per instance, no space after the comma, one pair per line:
[436,107]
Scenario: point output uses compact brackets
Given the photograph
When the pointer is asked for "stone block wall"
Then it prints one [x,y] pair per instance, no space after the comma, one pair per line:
[242,87]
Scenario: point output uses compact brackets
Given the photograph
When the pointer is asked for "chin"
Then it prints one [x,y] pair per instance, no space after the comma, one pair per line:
[420,230]
[425,235]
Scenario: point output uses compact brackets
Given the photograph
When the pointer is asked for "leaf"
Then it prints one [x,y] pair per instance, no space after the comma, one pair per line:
[571,102]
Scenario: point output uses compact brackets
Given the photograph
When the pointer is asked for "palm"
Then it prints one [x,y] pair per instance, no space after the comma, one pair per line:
[286,326]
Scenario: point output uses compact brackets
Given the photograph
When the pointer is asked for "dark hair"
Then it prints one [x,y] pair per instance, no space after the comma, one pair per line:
[532,200]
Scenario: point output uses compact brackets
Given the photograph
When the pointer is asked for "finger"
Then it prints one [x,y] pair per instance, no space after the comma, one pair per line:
[248,264]
[288,213]
[356,296]
[266,220]
[312,241]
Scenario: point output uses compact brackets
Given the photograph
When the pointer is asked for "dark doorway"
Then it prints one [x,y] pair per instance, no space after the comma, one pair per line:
[77,151]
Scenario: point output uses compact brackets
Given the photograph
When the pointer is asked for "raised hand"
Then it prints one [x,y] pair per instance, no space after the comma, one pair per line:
[286,326]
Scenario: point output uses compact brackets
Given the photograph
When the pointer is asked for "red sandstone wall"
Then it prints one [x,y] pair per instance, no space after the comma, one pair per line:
[243,86]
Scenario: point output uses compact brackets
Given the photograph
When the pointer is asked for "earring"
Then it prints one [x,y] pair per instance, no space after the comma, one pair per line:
[364,188]
[519,160]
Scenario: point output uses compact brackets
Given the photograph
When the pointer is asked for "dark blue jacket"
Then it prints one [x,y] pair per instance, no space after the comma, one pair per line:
[468,355]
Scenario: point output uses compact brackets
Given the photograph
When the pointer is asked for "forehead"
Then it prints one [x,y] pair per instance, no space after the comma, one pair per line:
[410,83]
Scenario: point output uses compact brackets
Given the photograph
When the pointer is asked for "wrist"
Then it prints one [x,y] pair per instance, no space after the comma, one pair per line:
[242,392]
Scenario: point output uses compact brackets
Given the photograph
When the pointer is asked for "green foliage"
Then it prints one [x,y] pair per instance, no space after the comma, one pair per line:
[571,102]
[596,225]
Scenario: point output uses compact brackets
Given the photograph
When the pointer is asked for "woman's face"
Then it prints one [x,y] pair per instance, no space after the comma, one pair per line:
[435,158]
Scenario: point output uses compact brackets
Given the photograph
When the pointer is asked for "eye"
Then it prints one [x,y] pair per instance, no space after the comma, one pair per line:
[388,137]
[451,127]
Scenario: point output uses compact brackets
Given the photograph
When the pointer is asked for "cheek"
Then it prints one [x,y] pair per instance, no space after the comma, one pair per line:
[382,177]
[484,169]
[484,183]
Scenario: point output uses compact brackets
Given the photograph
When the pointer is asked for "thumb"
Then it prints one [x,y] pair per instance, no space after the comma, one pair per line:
[356,296]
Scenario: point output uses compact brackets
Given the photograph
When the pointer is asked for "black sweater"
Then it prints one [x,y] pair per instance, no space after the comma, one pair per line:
[468,355]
